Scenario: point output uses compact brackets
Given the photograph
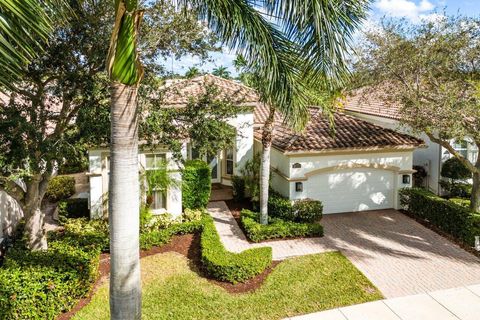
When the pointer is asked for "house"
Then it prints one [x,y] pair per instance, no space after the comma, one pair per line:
[361,167]
[372,107]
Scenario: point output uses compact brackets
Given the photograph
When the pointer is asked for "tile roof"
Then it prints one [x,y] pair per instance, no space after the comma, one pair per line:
[371,102]
[351,133]
[179,93]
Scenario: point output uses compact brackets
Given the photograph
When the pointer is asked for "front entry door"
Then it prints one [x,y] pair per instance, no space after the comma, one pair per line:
[215,166]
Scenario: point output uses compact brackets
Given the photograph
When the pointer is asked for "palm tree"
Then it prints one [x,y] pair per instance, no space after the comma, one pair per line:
[313,30]
[192,72]
[24,29]
[221,72]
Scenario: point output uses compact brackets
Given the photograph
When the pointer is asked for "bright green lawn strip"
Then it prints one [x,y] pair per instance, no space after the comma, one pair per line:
[171,290]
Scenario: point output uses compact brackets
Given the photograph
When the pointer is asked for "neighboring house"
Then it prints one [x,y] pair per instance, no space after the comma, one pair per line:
[361,168]
[371,107]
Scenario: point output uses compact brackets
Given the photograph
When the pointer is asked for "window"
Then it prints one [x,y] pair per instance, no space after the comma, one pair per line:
[466,149]
[298,186]
[158,197]
[154,161]
[229,161]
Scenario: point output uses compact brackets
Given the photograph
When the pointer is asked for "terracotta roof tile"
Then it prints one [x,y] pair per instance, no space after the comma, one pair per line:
[179,93]
[351,133]
[371,102]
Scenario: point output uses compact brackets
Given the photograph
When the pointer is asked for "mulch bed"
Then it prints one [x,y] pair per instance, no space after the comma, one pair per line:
[187,245]
[447,236]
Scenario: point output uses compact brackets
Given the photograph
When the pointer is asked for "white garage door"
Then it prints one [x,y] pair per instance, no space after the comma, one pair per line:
[352,190]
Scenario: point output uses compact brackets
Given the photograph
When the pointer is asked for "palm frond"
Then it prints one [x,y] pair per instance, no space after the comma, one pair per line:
[324,28]
[270,55]
[25,26]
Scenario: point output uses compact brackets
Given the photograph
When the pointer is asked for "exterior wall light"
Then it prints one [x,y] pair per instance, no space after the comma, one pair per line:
[406,179]
[296,166]
[298,186]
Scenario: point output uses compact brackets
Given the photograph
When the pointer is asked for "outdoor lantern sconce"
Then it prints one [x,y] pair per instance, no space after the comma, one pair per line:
[406,179]
[296,166]
[298,186]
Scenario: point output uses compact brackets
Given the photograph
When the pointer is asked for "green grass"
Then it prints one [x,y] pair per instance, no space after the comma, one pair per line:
[171,290]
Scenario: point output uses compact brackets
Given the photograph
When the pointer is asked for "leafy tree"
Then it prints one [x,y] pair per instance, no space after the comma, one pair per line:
[61,105]
[437,86]
[221,72]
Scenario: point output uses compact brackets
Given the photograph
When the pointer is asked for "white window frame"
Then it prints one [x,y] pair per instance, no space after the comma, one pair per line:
[163,157]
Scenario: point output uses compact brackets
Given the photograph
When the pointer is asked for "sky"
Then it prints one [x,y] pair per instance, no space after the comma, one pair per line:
[413,10]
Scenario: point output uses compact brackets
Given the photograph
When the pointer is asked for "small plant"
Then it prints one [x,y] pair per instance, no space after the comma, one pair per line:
[251,175]
[191,215]
[60,188]
[280,207]
[419,176]
[238,185]
[456,172]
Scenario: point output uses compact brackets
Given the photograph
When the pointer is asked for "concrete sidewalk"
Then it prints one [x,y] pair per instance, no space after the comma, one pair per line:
[461,303]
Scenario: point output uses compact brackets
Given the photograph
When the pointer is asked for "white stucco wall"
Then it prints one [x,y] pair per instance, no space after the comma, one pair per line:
[243,123]
[430,157]
[10,214]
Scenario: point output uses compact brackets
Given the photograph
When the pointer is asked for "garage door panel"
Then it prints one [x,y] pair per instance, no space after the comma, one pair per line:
[346,191]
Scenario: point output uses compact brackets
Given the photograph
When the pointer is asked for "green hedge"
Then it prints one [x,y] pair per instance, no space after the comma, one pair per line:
[446,215]
[60,188]
[41,285]
[155,238]
[305,210]
[277,228]
[196,184]
[238,188]
[228,266]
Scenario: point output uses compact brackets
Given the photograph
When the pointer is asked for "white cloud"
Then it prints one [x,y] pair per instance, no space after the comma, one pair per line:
[409,9]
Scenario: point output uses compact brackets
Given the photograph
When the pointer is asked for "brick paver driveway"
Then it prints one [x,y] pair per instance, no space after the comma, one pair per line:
[400,256]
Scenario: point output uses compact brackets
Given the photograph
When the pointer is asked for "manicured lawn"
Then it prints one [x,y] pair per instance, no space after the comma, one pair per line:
[171,290]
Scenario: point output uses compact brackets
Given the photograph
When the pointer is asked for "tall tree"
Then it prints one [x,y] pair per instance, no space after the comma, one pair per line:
[192,72]
[269,52]
[437,87]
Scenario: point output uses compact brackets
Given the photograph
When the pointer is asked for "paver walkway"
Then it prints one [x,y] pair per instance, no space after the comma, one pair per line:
[400,256]
[461,303]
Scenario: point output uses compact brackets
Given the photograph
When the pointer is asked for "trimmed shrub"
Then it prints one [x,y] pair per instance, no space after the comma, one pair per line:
[42,285]
[228,266]
[444,214]
[457,189]
[280,207]
[238,186]
[74,208]
[277,228]
[60,188]
[196,184]
[158,237]
[307,210]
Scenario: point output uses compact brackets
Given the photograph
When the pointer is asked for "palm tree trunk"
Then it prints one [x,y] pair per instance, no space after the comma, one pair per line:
[124,203]
[267,136]
[475,197]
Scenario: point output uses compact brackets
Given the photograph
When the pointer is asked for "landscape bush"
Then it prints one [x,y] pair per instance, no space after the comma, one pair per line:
[238,188]
[307,210]
[41,285]
[196,184]
[60,188]
[276,228]
[446,215]
[280,207]
[228,266]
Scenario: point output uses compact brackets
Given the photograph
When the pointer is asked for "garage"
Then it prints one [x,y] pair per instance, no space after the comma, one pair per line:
[359,167]
[352,190]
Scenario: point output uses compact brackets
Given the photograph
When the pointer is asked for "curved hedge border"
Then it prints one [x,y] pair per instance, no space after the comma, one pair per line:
[277,228]
[228,266]
[446,215]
